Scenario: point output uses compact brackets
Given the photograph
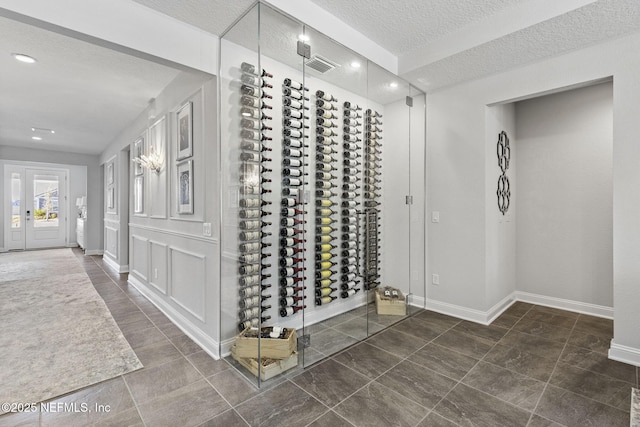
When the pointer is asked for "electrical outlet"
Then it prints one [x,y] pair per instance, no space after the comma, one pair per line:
[435,216]
[206,229]
[435,279]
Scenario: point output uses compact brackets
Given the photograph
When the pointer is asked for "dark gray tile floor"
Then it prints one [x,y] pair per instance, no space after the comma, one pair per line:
[534,366]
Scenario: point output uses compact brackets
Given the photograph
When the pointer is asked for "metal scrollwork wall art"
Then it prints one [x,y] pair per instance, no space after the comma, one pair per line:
[504,188]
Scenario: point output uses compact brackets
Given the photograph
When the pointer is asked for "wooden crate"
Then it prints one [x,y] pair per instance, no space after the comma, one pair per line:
[270,367]
[270,348]
[390,306]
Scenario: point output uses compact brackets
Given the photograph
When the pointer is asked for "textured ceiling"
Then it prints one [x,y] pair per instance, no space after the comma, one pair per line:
[213,16]
[588,25]
[401,26]
[86,93]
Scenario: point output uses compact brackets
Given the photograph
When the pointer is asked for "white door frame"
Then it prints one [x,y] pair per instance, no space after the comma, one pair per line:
[19,242]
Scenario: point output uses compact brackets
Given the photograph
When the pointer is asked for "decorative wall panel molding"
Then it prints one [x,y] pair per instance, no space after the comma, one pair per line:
[111,242]
[140,256]
[187,281]
[158,254]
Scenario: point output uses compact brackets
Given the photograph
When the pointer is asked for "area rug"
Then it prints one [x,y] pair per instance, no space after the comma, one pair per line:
[56,333]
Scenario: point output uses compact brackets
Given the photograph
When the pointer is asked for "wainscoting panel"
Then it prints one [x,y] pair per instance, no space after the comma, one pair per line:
[140,256]
[187,286]
[158,266]
[111,242]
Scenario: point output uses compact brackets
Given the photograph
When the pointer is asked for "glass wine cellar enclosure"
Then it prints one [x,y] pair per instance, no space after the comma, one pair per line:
[322,195]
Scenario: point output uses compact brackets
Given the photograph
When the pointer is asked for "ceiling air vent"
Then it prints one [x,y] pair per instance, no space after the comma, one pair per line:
[320,64]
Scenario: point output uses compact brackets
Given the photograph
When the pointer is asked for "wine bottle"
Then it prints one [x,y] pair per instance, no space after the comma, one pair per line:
[350,171]
[290,281]
[252,323]
[349,237]
[289,231]
[349,229]
[253,258]
[325,247]
[291,241]
[348,146]
[294,84]
[325,105]
[253,203]
[290,222]
[254,146]
[289,201]
[290,192]
[325,176]
[297,124]
[252,290]
[254,102]
[324,212]
[252,213]
[290,261]
[253,247]
[371,203]
[293,143]
[291,271]
[248,68]
[291,152]
[253,91]
[349,194]
[324,256]
[320,121]
[325,167]
[325,114]
[351,106]
[290,291]
[325,229]
[350,163]
[349,204]
[324,291]
[373,113]
[324,274]
[253,113]
[294,114]
[370,187]
[348,293]
[325,96]
[351,138]
[351,122]
[253,279]
[324,265]
[325,131]
[327,185]
[289,301]
[252,301]
[253,235]
[324,158]
[289,311]
[351,155]
[371,195]
[349,212]
[295,163]
[349,252]
[349,244]
[350,130]
[294,94]
[325,300]
[324,193]
[325,283]
[348,269]
[323,149]
[325,220]
[253,224]
[350,178]
[352,114]
[324,238]
[348,285]
[252,79]
[249,189]
[255,135]
[325,140]
[292,212]
[293,182]
[325,203]
[252,312]
[289,251]
[348,220]
[288,102]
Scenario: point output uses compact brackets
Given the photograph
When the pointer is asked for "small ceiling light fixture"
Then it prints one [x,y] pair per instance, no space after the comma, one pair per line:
[303,38]
[355,64]
[24,58]
[42,130]
[393,85]
[36,138]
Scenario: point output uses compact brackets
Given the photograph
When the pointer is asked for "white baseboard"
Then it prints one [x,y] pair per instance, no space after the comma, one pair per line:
[207,343]
[565,304]
[624,354]
[470,314]
[117,267]
[94,252]
[416,301]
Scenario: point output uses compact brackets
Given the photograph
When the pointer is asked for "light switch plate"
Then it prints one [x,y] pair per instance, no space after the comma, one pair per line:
[206,229]
[435,216]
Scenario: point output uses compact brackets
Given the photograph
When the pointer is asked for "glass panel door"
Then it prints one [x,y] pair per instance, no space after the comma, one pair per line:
[45,214]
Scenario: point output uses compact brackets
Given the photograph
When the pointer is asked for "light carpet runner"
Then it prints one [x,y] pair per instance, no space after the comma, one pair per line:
[56,333]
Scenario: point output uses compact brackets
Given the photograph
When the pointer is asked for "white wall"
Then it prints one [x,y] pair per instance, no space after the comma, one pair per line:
[85,179]
[565,220]
[457,154]
[169,259]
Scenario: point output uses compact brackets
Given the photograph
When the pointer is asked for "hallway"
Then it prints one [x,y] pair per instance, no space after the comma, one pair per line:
[533,366]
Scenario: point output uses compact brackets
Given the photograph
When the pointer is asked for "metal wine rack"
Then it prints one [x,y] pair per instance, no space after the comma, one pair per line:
[292,230]
[371,180]
[252,260]
[326,125]
[351,205]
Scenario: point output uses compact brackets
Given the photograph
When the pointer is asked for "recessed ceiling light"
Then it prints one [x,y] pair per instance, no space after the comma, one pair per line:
[36,138]
[355,64]
[303,38]
[393,85]
[43,130]
[24,58]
